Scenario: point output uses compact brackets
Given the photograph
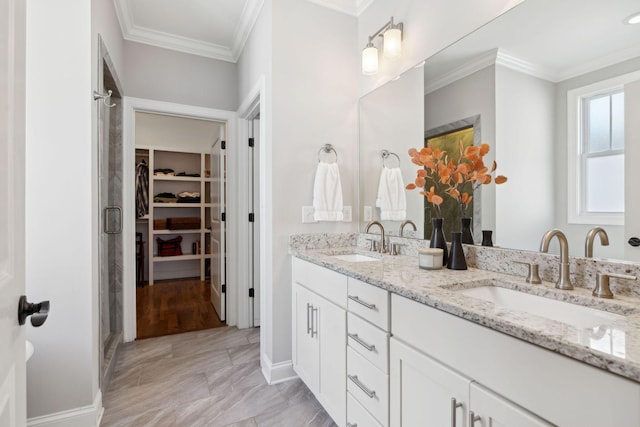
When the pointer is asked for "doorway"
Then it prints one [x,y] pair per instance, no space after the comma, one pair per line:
[163,142]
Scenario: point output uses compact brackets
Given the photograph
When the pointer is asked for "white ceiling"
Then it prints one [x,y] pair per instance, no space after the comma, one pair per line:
[213,28]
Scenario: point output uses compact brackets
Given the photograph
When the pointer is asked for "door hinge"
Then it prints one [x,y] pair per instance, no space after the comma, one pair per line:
[251,217]
[251,293]
[251,142]
[224,289]
[223,145]
[223,217]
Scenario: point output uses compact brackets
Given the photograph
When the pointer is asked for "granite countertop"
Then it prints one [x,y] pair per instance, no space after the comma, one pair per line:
[613,346]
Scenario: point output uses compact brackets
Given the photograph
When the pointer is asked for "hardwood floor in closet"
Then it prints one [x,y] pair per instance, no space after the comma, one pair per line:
[173,307]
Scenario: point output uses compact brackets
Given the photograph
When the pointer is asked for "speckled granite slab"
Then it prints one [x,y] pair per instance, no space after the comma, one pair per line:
[612,344]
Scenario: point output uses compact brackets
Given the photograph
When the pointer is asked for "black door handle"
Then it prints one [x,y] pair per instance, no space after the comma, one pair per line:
[634,241]
[38,312]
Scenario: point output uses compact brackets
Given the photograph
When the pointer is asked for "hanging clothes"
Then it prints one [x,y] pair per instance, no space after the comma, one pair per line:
[142,189]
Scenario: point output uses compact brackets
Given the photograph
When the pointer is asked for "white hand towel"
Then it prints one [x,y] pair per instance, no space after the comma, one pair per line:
[327,193]
[391,199]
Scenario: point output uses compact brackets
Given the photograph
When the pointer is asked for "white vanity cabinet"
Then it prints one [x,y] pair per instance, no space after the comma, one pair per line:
[319,334]
[425,392]
[509,382]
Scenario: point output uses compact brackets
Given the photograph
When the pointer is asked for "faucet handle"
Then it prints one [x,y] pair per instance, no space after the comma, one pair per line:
[533,276]
[373,245]
[395,248]
[602,289]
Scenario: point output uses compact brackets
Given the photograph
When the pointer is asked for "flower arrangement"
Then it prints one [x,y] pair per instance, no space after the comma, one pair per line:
[441,174]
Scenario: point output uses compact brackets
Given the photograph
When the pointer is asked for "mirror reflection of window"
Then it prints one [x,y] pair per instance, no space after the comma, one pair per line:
[602,157]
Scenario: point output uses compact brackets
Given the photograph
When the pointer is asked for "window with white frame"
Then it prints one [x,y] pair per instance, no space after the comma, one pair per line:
[596,153]
[602,153]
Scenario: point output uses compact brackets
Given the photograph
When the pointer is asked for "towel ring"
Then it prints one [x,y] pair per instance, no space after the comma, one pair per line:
[386,154]
[328,148]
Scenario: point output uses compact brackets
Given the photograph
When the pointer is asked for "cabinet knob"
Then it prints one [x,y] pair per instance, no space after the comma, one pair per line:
[634,241]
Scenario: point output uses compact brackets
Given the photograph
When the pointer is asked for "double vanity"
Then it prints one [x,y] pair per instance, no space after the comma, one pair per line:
[382,342]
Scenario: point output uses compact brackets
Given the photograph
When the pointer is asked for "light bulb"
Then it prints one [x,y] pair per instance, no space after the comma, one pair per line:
[392,43]
[633,19]
[369,60]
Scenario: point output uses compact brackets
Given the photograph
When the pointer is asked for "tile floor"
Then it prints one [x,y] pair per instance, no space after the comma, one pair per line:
[206,378]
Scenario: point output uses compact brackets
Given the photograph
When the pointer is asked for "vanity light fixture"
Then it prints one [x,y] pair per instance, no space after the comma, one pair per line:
[633,19]
[392,47]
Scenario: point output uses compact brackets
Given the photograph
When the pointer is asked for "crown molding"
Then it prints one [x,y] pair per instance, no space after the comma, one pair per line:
[602,62]
[463,71]
[135,33]
[351,7]
[248,19]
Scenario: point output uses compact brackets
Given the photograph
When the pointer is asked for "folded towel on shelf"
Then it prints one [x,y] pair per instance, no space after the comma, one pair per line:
[391,198]
[327,193]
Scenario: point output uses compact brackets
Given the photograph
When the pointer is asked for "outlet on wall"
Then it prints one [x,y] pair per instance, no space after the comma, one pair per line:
[368,213]
[346,214]
[307,215]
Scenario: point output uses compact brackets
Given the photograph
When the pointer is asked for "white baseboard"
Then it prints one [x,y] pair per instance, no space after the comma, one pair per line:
[85,416]
[276,373]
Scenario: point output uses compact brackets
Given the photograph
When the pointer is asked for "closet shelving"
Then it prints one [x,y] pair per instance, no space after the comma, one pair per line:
[188,264]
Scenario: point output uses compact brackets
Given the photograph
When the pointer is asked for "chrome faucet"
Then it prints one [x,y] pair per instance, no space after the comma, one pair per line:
[591,236]
[564,281]
[383,246]
[406,222]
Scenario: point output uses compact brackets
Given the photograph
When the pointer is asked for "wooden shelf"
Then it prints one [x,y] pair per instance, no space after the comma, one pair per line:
[192,231]
[178,178]
[178,205]
[177,258]
[190,162]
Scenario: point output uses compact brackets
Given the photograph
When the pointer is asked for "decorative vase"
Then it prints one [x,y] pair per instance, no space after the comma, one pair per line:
[437,238]
[456,257]
[486,238]
[467,237]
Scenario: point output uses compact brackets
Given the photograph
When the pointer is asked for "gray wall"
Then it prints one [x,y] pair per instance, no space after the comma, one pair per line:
[166,75]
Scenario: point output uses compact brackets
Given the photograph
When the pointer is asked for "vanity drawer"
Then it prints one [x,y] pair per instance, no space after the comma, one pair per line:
[369,385]
[321,280]
[369,302]
[358,416]
[372,343]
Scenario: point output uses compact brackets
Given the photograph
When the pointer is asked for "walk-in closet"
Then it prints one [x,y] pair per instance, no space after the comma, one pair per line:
[179,196]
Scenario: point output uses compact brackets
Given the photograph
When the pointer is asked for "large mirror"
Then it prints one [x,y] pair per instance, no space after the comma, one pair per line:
[514,82]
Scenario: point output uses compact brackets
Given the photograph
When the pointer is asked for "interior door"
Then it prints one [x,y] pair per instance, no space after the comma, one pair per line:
[631,170]
[12,166]
[218,226]
[255,208]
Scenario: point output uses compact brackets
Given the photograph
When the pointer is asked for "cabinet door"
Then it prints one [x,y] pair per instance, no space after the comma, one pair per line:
[331,328]
[491,410]
[305,337]
[424,392]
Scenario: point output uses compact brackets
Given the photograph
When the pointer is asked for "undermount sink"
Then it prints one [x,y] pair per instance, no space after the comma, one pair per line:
[355,258]
[561,311]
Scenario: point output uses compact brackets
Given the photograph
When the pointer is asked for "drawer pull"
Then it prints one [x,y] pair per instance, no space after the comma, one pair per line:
[357,339]
[314,323]
[454,407]
[352,425]
[473,418]
[359,301]
[356,381]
